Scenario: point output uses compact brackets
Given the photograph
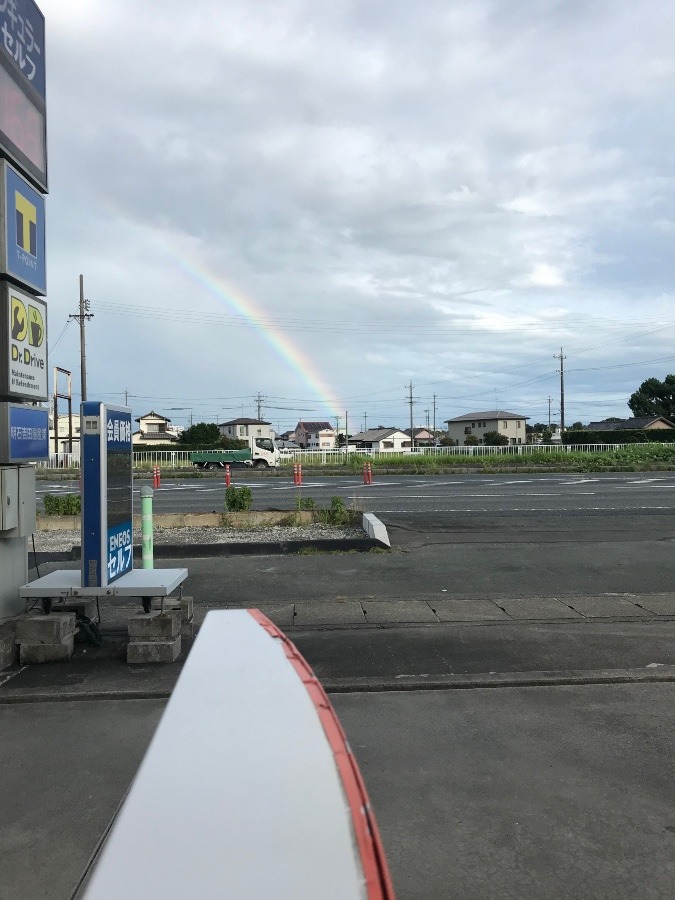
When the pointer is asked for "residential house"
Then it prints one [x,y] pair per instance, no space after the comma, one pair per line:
[390,440]
[154,428]
[642,423]
[241,429]
[512,425]
[315,435]
[423,436]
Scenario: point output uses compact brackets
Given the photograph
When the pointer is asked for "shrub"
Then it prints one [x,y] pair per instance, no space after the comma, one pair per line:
[238,499]
[62,504]
[336,514]
[304,503]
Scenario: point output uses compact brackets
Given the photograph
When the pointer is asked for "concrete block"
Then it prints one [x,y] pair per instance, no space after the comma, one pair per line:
[46,653]
[375,529]
[41,629]
[155,626]
[81,607]
[144,652]
[398,611]
[187,630]
[329,612]
[9,651]
[184,604]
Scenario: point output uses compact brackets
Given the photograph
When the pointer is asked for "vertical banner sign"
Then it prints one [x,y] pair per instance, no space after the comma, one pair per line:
[22,88]
[107,525]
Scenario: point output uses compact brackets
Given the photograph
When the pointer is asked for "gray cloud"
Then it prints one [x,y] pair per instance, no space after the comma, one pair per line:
[443,192]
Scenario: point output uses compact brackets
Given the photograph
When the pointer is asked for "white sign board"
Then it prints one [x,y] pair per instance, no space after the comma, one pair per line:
[23,343]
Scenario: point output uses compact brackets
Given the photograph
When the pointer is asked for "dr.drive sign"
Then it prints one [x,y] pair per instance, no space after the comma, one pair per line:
[107,525]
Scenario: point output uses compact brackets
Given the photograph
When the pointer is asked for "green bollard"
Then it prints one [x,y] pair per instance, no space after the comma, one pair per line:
[146,526]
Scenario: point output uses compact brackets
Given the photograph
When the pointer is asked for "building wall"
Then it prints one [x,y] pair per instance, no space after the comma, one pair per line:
[240,432]
[514,429]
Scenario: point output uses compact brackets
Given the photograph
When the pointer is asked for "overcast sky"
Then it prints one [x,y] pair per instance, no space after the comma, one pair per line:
[323,202]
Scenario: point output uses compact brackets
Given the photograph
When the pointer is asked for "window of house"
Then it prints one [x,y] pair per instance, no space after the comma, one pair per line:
[387,445]
[484,424]
[242,429]
[505,425]
[518,423]
[406,443]
[259,432]
[512,440]
[152,428]
[467,430]
[473,425]
[520,441]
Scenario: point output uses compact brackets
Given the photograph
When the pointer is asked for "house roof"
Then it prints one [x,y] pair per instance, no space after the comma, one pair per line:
[161,437]
[488,414]
[377,434]
[152,415]
[315,426]
[246,422]
[418,431]
[634,424]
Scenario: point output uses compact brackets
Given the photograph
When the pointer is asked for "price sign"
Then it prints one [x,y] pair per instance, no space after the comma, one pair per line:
[107,525]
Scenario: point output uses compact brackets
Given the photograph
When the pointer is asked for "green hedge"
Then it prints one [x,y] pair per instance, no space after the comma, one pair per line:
[622,436]
[62,504]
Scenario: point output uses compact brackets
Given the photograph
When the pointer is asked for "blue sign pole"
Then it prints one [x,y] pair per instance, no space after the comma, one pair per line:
[107,520]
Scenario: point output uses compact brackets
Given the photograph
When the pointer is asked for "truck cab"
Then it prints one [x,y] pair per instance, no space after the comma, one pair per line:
[264,453]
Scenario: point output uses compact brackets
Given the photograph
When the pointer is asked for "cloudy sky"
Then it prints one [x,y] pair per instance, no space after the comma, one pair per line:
[322,203]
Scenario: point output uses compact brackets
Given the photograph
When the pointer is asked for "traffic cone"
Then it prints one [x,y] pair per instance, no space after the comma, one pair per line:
[228,480]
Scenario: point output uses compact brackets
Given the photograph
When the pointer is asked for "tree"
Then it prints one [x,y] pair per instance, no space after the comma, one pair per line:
[471,440]
[495,439]
[576,426]
[654,398]
[201,433]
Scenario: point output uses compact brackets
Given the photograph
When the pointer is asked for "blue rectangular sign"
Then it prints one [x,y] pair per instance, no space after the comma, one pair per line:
[23,219]
[107,521]
[24,433]
[22,28]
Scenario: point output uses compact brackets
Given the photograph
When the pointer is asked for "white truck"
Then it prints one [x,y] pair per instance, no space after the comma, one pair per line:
[262,453]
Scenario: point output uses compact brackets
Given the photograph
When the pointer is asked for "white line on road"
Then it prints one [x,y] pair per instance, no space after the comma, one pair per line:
[575,509]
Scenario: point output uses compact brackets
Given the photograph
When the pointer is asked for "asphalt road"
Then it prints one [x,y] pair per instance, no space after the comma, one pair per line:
[500,791]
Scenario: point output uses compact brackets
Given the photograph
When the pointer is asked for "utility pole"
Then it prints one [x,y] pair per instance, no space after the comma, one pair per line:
[426,414]
[259,402]
[549,412]
[365,421]
[82,318]
[434,418]
[346,435]
[562,390]
[410,401]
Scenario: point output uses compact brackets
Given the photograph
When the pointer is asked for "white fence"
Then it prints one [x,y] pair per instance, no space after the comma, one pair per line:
[179,459]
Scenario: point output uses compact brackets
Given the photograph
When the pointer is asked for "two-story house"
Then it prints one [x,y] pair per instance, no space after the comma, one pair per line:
[154,428]
[512,425]
[241,429]
[315,435]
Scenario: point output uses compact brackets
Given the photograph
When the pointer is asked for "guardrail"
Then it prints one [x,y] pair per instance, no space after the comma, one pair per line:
[179,459]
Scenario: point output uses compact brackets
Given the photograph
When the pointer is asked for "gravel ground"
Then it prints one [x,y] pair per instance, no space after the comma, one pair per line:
[52,541]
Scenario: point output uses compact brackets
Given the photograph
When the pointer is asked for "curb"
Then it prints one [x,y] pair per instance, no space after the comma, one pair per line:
[376,684]
[252,548]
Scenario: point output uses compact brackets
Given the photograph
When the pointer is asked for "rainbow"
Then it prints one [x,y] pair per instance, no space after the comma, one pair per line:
[283,346]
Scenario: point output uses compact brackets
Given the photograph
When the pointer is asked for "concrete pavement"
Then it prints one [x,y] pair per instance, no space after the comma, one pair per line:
[539,766]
